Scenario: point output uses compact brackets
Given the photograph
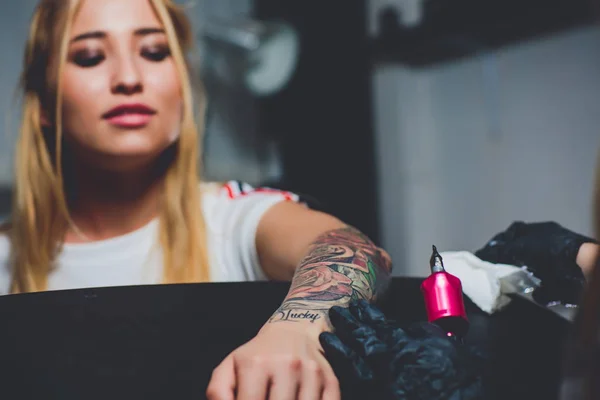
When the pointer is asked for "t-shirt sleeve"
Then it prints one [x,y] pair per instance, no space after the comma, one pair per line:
[233,214]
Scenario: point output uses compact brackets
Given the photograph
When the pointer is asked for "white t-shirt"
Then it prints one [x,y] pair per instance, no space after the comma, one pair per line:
[232,212]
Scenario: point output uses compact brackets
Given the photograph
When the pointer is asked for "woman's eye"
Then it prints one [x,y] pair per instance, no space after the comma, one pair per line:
[156,54]
[87,59]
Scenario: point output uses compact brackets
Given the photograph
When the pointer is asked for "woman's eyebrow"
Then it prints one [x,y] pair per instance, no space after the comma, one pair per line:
[101,34]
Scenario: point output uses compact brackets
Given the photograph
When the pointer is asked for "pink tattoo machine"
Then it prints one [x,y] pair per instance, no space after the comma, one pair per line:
[444,299]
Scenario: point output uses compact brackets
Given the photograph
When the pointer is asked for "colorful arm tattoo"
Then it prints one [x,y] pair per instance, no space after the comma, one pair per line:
[342,265]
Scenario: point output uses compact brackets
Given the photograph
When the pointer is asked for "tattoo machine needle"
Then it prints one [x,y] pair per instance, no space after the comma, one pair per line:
[444,299]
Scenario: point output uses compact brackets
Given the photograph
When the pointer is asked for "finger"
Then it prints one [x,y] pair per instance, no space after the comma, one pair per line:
[342,319]
[311,381]
[349,329]
[222,382]
[252,379]
[334,348]
[285,381]
[344,361]
[367,313]
[360,337]
[397,339]
[425,329]
[332,390]
[376,333]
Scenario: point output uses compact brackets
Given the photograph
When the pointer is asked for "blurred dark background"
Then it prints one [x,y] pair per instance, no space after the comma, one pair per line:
[418,121]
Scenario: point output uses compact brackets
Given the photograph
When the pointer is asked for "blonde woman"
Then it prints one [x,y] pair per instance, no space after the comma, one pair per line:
[108,193]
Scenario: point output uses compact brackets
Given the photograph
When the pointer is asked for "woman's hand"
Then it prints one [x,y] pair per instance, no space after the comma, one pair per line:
[377,358]
[284,361]
[557,256]
[587,257]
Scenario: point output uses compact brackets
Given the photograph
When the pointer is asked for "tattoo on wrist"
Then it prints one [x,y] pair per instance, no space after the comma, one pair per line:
[342,265]
[296,315]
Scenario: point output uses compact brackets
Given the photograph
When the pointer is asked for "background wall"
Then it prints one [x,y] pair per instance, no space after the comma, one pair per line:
[14,24]
[468,147]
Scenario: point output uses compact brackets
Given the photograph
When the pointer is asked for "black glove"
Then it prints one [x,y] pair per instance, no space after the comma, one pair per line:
[374,358]
[548,250]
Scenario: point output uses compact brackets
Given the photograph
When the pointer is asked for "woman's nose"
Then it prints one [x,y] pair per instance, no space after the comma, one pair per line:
[127,78]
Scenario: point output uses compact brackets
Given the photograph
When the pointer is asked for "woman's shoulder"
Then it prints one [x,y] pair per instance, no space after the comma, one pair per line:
[212,188]
[236,190]
[234,203]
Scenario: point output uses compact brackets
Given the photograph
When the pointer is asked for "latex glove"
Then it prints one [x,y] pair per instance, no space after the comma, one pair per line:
[375,358]
[284,361]
[548,250]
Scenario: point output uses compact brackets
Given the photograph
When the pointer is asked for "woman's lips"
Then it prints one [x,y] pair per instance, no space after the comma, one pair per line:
[130,120]
[130,115]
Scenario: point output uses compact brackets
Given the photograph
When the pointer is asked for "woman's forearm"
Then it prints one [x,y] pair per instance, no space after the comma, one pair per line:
[340,266]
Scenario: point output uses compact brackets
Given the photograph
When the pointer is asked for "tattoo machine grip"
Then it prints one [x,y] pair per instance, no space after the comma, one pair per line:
[444,299]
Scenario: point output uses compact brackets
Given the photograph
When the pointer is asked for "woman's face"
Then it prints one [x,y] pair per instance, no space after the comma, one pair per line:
[122,103]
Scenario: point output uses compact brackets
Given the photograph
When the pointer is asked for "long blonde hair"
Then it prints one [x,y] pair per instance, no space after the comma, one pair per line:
[40,216]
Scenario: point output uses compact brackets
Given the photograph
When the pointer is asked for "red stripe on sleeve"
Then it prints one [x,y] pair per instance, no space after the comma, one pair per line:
[229,191]
[240,191]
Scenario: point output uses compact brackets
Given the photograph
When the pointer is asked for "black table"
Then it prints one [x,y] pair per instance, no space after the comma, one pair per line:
[164,341]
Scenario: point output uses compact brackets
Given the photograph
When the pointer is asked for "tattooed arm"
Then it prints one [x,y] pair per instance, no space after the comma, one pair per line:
[329,264]
[341,265]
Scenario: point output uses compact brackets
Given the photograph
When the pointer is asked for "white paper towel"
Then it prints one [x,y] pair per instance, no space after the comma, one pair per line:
[480,279]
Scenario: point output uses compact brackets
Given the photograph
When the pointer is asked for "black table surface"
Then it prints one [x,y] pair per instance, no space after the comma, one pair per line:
[163,341]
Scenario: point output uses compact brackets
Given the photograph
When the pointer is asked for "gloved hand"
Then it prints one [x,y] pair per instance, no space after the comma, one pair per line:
[548,250]
[374,358]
